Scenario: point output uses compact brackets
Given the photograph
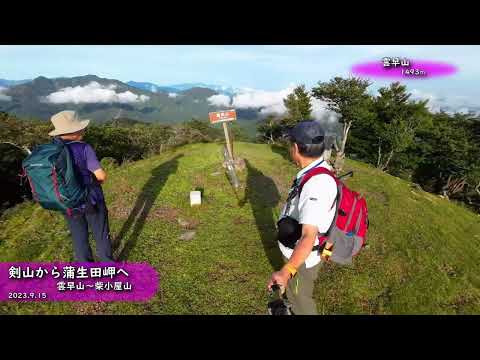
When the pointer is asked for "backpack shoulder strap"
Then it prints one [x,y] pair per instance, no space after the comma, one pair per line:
[296,188]
[316,171]
[58,140]
[74,142]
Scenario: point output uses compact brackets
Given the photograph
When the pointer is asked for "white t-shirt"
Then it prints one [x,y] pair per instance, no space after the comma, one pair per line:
[313,207]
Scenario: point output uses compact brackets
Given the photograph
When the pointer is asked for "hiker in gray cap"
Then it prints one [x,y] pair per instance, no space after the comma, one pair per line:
[93,214]
[308,213]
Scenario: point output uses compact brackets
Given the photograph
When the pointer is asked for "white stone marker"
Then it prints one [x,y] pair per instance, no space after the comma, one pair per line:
[195,198]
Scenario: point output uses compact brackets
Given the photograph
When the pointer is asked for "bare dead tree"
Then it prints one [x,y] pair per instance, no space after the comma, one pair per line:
[340,150]
[346,129]
[330,143]
[389,158]
[379,158]
[454,186]
[327,154]
[271,140]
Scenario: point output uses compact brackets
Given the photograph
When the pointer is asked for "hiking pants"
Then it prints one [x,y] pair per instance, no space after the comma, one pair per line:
[97,220]
[300,290]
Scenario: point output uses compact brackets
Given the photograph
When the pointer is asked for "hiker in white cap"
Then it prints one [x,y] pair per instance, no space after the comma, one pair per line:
[93,214]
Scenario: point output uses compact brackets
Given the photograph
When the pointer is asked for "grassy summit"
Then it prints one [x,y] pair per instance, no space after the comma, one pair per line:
[423,254]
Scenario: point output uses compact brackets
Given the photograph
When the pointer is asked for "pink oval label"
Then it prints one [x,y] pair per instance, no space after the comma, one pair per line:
[400,68]
[25,282]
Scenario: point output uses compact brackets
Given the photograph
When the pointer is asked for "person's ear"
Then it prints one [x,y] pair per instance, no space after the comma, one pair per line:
[294,152]
[295,149]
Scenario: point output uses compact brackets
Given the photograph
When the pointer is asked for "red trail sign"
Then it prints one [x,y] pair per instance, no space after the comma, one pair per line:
[221,116]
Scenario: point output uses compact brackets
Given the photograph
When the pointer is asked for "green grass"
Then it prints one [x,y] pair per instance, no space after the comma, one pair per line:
[422,256]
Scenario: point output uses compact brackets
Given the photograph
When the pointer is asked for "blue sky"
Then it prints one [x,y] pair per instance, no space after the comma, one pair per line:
[270,68]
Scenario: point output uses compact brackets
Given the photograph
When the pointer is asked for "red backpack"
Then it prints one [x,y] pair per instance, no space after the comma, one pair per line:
[350,224]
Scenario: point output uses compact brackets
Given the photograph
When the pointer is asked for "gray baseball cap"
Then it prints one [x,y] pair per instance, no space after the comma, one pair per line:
[307,132]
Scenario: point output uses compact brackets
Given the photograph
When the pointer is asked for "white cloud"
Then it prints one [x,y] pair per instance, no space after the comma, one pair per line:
[172,95]
[321,112]
[421,95]
[219,100]
[274,109]
[271,102]
[94,93]
[464,110]
[454,103]
[4,97]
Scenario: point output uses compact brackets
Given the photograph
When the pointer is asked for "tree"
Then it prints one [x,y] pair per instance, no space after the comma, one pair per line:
[349,98]
[474,180]
[21,133]
[450,157]
[269,130]
[396,122]
[238,133]
[299,106]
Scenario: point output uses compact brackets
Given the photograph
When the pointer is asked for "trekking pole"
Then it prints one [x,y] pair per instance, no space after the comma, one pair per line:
[345,176]
[277,304]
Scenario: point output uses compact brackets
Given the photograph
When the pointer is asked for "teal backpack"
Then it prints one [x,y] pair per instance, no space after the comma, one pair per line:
[52,178]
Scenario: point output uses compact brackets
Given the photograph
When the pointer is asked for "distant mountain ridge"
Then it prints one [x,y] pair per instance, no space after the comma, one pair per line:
[116,99]
[147,86]
[152,87]
[177,88]
[8,83]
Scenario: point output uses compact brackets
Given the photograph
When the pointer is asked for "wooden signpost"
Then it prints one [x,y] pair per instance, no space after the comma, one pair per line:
[224,117]
[230,163]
